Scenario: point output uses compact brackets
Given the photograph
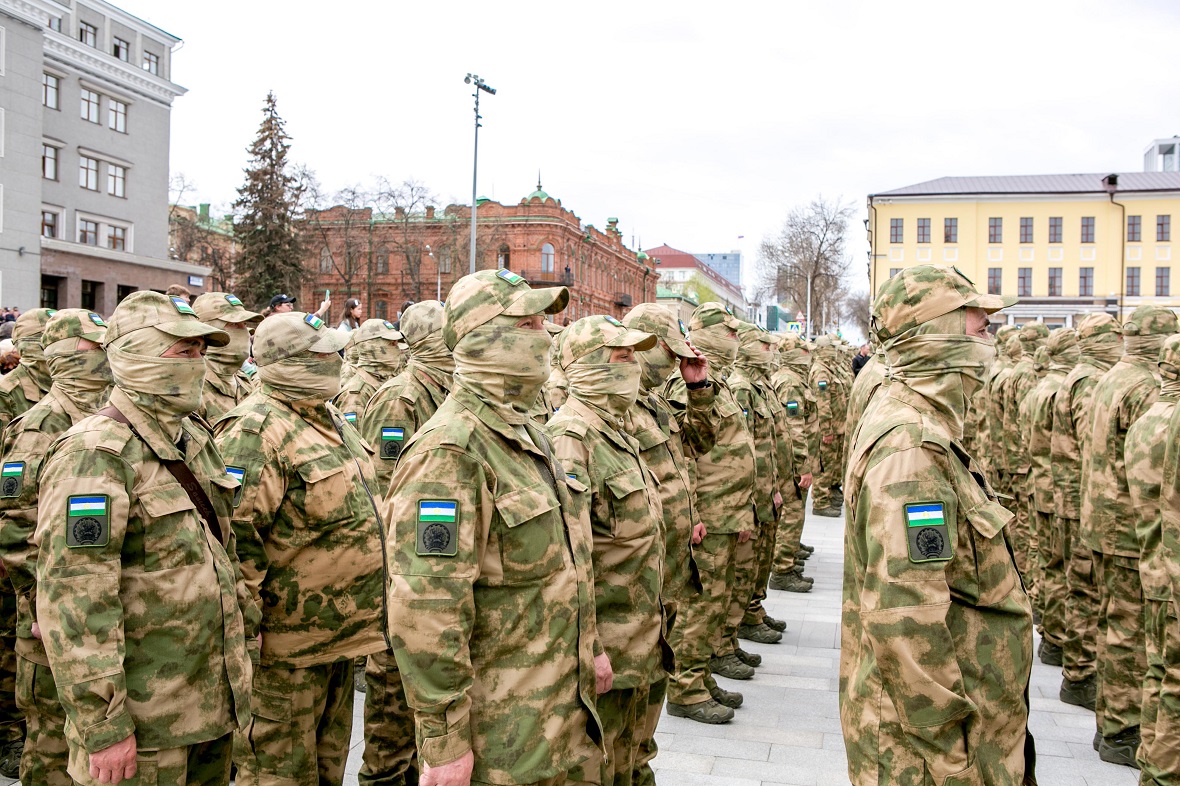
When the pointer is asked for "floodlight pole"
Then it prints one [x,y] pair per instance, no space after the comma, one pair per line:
[479,85]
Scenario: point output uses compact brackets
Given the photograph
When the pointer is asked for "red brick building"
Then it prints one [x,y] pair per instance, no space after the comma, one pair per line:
[385,260]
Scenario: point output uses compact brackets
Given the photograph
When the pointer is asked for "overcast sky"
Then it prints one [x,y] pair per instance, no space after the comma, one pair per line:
[694,123]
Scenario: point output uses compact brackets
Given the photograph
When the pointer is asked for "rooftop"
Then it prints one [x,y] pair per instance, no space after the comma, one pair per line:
[1038,184]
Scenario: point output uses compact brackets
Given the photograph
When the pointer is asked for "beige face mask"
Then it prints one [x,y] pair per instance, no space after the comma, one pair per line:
[168,388]
[656,365]
[716,344]
[226,361]
[304,377]
[505,366]
[84,376]
[611,387]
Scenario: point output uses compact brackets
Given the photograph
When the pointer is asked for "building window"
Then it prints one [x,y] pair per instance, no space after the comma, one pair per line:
[1132,282]
[87,232]
[1086,282]
[88,34]
[547,258]
[90,294]
[122,291]
[48,223]
[1163,281]
[49,162]
[1163,228]
[893,271]
[116,180]
[1026,229]
[923,230]
[995,230]
[383,260]
[1055,282]
[1055,229]
[50,91]
[503,257]
[117,238]
[325,260]
[121,49]
[90,101]
[896,230]
[1024,282]
[55,24]
[1087,229]
[950,230]
[117,115]
[444,262]
[381,310]
[1134,229]
[151,63]
[995,280]
[88,173]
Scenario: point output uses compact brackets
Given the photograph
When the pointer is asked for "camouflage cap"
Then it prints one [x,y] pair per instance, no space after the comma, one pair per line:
[171,315]
[1034,331]
[749,333]
[31,323]
[596,332]
[1150,321]
[552,328]
[1004,331]
[713,313]
[1169,361]
[661,321]
[922,293]
[420,320]
[1061,340]
[223,306]
[376,328]
[1097,323]
[479,297]
[281,336]
[792,341]
[74,323]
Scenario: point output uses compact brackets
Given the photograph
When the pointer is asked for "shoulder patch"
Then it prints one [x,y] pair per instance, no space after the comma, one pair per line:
[393,439]
[438,528]
[238,474]
[822,384]
[88,521]
[12,478]
[350,417]
[927,533]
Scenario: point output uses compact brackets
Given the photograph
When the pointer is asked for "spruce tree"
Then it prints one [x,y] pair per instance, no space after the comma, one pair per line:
[270,252]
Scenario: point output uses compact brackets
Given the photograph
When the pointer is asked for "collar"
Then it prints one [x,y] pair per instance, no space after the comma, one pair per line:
[149,430]
[489,418]
[591,416]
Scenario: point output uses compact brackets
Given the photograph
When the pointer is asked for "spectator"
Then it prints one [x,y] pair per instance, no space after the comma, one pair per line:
[9,357]
[400,311]
[180,291]
[282,303]
[352,315]
[862,357]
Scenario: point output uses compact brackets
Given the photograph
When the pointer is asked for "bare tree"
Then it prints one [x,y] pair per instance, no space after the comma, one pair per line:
[195,237]
[406,203]
[807,256]
[857,307]
[338,231]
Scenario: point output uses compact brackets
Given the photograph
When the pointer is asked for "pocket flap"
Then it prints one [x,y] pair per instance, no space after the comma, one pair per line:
[726,408]
[989,518]
[651,437]
[271,706]
[626,482]
[225,481]
[165,499]
[576,485]
[317,469]
[521,505]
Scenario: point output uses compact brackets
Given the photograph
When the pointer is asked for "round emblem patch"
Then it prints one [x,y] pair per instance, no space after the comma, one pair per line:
[389,449]
[436,537]
[10,487]
[87,531]
[929,542]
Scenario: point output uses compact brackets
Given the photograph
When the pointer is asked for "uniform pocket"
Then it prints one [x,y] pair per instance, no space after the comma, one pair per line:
[325,495]
[995,571]
[532,538]
[173,536]
[628,504]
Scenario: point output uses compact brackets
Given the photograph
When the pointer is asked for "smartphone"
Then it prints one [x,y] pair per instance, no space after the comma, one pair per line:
[327,294]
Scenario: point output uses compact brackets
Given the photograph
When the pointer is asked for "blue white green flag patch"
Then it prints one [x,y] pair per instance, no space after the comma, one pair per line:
[87,521]
[927,532]
[438,527]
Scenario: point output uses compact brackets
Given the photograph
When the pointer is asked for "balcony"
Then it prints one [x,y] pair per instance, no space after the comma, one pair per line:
[623,299]
[548,278]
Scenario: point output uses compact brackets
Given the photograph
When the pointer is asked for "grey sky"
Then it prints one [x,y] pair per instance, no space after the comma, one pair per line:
[694,123]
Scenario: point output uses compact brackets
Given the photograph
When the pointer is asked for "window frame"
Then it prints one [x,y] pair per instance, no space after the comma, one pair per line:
[119,45]
[47,89]
[1134,229]
[83,231]
[1026,229]
[1087,230]
[1163,282]
[1024,282]
[1133,274]
[896,231]
[548,258]
[112,231]
[1056,281]
[1085,282]
[1056,229]
[88,34]
[995,280]
[54,159]
[55,223]
[117,115]
[151,63]
[1163,228]
[923,230]
[116,180]
[87,175]
[995,229]
[90,111]
[950,230]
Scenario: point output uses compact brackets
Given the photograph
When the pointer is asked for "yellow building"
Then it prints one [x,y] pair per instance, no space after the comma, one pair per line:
[1065,244]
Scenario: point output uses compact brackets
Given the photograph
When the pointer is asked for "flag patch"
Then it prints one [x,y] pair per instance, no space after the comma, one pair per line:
[182,306]
[792,405]
[391,441]
[11,477]
[613,321]
[393,433]
[438,528]
[389,325]
[314,321]
[350,417]
[683,329]
[238,474]
[927,532]
[823,384]
[96,319]
[233,300]
[509,276]
[87,521]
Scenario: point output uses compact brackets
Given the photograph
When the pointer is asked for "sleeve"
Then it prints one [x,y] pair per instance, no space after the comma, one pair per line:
[18,519]
[824,406]
[797,425]
[1137,402]
[78,602]
[1170,504]
[387,425]
[696,419]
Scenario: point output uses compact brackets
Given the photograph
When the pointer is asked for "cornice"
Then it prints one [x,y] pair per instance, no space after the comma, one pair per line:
[97,252]
[31,11]
[90,61]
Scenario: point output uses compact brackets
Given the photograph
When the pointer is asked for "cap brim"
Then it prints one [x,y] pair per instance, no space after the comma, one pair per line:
[549,300]
[553,328]
[680,347]
[239,314]
[992,303]
[331,340]
[633,338]
[191,328]
[97,334]
[732,322]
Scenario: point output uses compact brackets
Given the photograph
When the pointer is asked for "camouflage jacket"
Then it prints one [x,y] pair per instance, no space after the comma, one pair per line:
[724,475]
[617,497]
[773,459]
[354,396]
[937,630]
[998,439]
[395,413]
[1122,395]
[1170,506]
[1018,387]
[831,397]
[220,395]
[799,414]
[1144,451]
[492,598]
[18,393]
[661,432]
[870,378]
[309,538]
[1036,428]
[1071,436]
[140,605]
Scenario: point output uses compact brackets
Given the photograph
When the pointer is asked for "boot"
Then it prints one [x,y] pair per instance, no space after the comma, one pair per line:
[1121,748]
[808,549]
[707,711]
[759,633]
[832,512]
[774,624]
[789,582]
[726,698]
[749,658]
[802,556]
[729,666]
[1082,693]
[1050,653]
[1097,740]
[10,754]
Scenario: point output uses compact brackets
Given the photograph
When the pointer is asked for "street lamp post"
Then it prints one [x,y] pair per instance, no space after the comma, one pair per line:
[474,79]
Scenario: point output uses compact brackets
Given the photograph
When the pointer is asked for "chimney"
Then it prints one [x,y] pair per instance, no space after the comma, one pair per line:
[203,211]
[430,211]
[399,212]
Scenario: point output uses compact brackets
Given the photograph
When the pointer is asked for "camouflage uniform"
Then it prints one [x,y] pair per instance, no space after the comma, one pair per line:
[492,595]
[1108,527]
[80,383]
[378,356]
[1020,384]
[1144,454]
[981,403]
[799,415]
[1160,760]
[140,603]
[226,385]
[1100,343]
[830,393]
[937,630]
[1001,442]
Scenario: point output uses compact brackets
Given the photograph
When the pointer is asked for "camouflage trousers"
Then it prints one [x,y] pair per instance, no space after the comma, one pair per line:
[830,474]
[745,560]
[1020,533]
[1051,575]
[789,534]
[1159,751]
[699,623]
[1122,655]
[390,757]
[1081,604]
[301,728]
[623,713]
[46,757]
[763,557]
[203,764]
[12,725]
[651,705]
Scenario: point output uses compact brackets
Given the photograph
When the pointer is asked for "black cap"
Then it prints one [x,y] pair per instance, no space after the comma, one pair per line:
[279,300]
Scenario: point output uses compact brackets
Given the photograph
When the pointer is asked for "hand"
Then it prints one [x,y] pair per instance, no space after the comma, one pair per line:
[325,304]
[698,534]
[744,537]
[114,764]
[829,438]
[36,631]
[778,499]
[696,370]
[604,675]
[454,773]
[804,481]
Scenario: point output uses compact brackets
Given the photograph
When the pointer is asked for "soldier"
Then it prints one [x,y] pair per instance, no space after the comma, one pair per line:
[147,652]
[226,385]
[1159,754]
[544,408]
[492,607]
[661,430]
[1100,344]
[872,375]
[724,496]
[1024,378]
[1160,760]
[1009,354]
[396,412]
[799,414]
[378,356]
[980,402]
[937,630]
[25,385]
[81,376]
[616,494]
[827,386]
[1108,528]
[310,543]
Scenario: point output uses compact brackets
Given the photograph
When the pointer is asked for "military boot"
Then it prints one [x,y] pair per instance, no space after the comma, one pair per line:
[10,755]
[808,549]
[789,582]
[749,658]
[1051,654]
[759,633]
[831,512]
[726,698]
[774,624]
[1080,693]
[707,711]
[802,556]
[729,666]
[1121,748]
